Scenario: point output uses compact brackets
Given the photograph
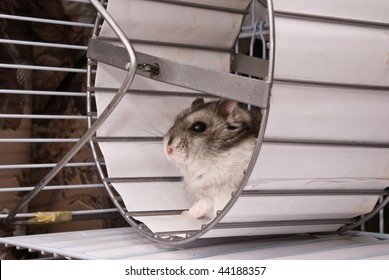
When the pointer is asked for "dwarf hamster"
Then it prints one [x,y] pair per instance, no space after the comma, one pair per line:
[211,143]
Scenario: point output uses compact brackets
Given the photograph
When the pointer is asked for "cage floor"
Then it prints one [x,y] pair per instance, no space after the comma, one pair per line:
[125,243]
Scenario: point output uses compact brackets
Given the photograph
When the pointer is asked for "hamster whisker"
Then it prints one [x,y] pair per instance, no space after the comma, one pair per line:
[156,131]
[149,123]
[152,133]
[150,144]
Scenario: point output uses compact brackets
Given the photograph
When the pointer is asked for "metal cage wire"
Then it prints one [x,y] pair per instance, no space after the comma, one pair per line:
[22,218]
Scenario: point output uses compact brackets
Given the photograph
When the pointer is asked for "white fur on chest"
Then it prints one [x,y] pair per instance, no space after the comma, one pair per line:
[219,175]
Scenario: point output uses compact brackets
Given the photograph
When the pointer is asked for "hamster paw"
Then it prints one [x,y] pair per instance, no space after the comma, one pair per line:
[192,214]
[200,209]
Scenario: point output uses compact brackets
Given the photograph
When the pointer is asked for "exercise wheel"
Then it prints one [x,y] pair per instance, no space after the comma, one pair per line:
[322,156]
[321,161]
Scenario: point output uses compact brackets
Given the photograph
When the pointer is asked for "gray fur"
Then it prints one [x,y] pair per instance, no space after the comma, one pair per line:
[212,161]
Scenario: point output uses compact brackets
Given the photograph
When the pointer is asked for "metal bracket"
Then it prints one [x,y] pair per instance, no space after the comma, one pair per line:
[243,89]
[253,66]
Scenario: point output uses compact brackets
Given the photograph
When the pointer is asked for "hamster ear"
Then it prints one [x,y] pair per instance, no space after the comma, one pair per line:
[226,108]
[197,102]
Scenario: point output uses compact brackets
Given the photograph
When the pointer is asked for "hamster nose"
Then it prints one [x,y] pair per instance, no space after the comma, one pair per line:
[169,150]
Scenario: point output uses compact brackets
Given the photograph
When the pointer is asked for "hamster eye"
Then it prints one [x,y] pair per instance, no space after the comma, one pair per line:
[198,127]
[231,127]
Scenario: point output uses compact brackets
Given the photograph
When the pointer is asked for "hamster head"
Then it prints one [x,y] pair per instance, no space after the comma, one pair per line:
[206,130]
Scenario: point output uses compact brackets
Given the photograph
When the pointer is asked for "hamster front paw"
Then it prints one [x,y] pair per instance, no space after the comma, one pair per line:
[194,214]
[199,210]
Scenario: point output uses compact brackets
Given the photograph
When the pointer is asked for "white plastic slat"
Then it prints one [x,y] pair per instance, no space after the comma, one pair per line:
[172,223]
[141,116]
[269,230]
[277,161]
[366,10]
[127,250]
[351,252]
[383,256]
[289,251]
[63,236]
[328,114]
[332,53]
[190,25]
[299,208]
[137,159]
[174,196]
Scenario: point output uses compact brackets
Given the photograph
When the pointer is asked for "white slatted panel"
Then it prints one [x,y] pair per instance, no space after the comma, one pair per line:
[328,113]
[318,51]
[125,243]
